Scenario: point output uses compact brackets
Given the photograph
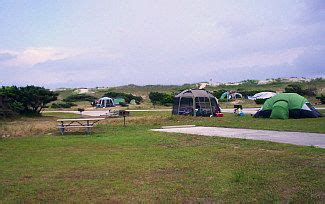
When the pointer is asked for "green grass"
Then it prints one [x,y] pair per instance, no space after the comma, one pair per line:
[134,163]
[230,120]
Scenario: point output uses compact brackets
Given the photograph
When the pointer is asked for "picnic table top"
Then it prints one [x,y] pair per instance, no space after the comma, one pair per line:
[79,119]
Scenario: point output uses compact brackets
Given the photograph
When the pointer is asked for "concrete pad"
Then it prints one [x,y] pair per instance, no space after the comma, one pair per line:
[177,126]
[296,138]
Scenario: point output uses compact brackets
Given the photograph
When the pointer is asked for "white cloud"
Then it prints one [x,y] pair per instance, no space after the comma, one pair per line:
[35,55]
[38,55]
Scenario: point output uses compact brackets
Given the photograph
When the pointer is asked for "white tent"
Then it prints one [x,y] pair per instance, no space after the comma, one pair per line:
[105,102]
[262,95]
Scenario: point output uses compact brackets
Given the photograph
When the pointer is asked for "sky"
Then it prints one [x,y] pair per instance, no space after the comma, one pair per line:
[90,43]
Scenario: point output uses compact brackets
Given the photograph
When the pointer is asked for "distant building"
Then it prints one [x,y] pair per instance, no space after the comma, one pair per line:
[285,79]
[268,81]
[295,79]
[59,89]
[214,83]
[203,85]
[232,83]
[81,90]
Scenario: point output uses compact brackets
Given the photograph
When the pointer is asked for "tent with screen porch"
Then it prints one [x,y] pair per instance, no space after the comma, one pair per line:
[195,102]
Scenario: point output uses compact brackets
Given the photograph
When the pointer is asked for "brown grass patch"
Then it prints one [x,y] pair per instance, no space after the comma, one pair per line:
[27,126]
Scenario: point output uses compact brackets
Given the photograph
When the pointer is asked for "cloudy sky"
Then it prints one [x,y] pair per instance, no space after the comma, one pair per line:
[89,43]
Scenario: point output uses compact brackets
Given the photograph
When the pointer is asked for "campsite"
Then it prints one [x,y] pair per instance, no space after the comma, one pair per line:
[132,162]
[162,101]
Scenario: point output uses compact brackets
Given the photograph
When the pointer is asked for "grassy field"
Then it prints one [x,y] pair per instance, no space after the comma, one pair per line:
[132,163]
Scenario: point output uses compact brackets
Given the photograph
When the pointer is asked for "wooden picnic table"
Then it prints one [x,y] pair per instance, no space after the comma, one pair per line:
[86,123]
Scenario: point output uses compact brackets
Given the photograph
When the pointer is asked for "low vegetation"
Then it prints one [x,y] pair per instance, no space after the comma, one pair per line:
[321,98]
[141,94]
[127,97]
[132,163]
[26,100]
[79,97]
[62,105]
[165,99]
[297,88]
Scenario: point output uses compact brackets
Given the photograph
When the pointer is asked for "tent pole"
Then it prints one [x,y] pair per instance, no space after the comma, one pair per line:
[210,105]
[179,105]
[193,100]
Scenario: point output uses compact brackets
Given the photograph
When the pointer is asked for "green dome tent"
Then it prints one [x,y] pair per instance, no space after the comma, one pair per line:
[117,101]
[230,95]
[287,105]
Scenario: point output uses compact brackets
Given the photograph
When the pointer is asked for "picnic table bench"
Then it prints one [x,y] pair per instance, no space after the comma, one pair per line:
[87,123]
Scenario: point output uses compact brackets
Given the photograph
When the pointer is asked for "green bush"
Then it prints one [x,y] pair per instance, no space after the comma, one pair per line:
[28,99]
[126,97]
[161,98]
[79,97]
[297,88]
[62,105]
[294,88]
[321,98]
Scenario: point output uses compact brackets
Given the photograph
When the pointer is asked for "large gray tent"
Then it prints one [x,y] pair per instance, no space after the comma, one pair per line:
[195,102]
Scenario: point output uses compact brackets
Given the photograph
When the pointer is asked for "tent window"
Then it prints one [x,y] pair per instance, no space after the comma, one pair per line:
[186,102]
[176,101]
[202,103]
[213,102]
[175,106]
[186,106]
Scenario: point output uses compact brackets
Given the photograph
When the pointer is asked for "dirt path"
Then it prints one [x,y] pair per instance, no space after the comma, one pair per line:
[297,138]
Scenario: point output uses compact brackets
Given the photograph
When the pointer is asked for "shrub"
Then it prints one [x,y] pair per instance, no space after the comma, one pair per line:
[321,98]
[79,97]
[62,105]
[127,97]
[297,88]
[161,98]
[294,88]
[27,100]
[310,91]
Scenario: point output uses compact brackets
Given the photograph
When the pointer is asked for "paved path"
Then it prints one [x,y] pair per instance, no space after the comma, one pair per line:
[297,138]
